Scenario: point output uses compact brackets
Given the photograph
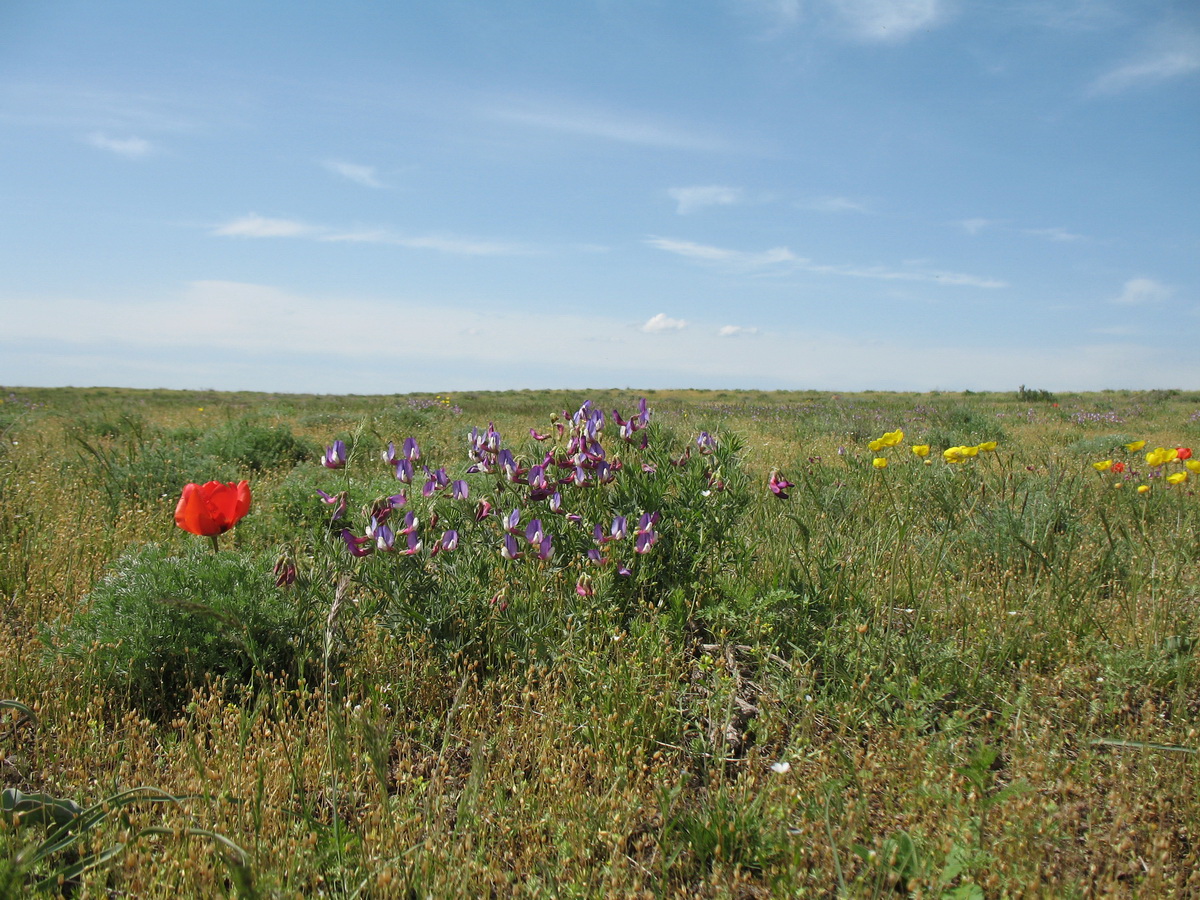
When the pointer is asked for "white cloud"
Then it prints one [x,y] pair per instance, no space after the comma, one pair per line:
[1180,59]
[889,21]
[785,259]
[663,322]
[837,205]
[974,226]
[708,253]
[1143,290]
[130,147]
[625,128]
[736,331]
[258,226]
[1060,235]
[690,199]
[232,336]
[443,243]
[364,175]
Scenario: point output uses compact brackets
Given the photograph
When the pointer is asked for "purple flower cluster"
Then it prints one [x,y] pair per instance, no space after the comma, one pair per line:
[578,459]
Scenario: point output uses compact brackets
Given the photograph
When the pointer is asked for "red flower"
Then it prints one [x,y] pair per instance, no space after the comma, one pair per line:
[1184,452]
[1118,467]
[213,508]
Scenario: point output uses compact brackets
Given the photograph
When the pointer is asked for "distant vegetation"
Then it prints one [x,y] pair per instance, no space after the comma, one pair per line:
[726,644]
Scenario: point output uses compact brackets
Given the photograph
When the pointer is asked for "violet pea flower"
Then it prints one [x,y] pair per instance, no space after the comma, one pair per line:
[460,490]
[706,442]
[335,456]
[619,526]
[648,521]
[534,533]
[624,570]
[384,538]
[404,471]
[359,546]
[555,502]
[450,540]
[537,478]
[330,499]
[414,545]
[509,522]
[389,455]
[645,540]
[537,435]
[411,451]
[510,550]
[779,485]
[545,548]
[410,523]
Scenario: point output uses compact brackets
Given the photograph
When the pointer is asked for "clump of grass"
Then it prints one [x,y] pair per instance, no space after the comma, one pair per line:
[257,448]
[159,626]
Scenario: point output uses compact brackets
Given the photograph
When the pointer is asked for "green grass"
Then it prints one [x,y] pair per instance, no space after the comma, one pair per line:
[939,680]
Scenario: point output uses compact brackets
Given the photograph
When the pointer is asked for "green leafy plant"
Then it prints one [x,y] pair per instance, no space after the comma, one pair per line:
[158,625]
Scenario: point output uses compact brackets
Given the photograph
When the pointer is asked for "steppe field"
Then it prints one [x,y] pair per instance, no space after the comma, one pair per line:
[567,644]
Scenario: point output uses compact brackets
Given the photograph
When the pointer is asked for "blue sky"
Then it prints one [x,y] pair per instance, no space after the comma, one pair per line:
[830,194]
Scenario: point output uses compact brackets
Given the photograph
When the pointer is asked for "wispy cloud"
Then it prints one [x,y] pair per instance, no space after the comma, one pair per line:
[364,175]
[781,258]
[727,331]
[1166,63]
[974,226]
[708,253]
[1058,235]
[663,322]
[231,335]
[1140,291]
[443,243]
[691,199]
[129,147]
[889,21]
[837,205]
[622,127]
[256,226]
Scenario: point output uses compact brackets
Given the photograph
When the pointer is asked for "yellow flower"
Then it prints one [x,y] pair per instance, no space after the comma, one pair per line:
[1143,488]
[876,445]
[989,446]
[969,451]
[1103,465]
[893,438]
[1118,484]
[1160,455]
[1177,478]
[1135,446]
[953,454]
[880,462]
[921,450]
[1193,464]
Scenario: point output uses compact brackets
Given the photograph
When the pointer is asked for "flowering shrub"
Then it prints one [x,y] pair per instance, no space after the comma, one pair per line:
[599,511]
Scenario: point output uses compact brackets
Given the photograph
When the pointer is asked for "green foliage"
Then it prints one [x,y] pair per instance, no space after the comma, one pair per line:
[159,626]
[1032,395]
[257,448]
[962,425]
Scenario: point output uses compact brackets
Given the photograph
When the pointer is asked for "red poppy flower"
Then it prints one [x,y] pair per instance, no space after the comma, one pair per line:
[1118,467]
[1183,452]
[213,508]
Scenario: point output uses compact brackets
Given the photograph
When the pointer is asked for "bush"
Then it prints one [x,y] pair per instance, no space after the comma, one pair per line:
[257,447]
[157,626]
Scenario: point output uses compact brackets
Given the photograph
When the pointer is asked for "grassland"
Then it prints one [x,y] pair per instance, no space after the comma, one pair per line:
[938,680]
